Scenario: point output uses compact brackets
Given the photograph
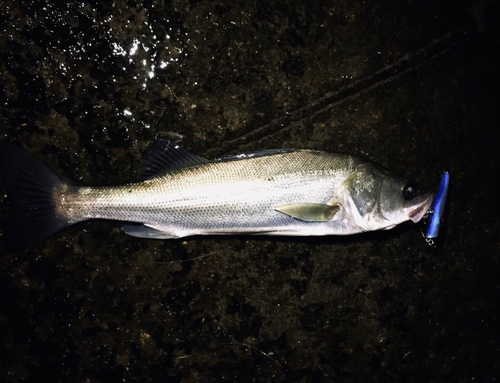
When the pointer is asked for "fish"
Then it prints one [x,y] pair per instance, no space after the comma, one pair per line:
[289,192]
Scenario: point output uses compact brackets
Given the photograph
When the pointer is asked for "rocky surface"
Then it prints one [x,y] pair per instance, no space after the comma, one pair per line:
[412,85]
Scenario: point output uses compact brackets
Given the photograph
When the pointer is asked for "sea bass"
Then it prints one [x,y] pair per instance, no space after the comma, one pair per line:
[270,192]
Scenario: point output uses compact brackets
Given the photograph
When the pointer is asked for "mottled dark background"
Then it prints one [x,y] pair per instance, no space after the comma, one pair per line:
[411,84]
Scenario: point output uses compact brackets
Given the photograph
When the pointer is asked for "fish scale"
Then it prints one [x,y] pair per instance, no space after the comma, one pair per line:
[220,195]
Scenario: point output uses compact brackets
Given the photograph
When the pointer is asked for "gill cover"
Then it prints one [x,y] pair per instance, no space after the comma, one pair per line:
[360,193]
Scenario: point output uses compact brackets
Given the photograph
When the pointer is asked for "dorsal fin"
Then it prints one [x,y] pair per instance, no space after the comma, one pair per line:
[164,156]
[254,154]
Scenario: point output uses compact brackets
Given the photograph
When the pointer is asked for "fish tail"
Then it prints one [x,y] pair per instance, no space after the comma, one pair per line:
[31,187]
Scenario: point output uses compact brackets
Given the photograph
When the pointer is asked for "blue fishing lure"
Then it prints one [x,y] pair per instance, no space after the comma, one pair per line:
[437,211]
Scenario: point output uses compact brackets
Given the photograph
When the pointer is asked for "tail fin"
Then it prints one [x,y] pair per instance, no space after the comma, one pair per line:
[30,186]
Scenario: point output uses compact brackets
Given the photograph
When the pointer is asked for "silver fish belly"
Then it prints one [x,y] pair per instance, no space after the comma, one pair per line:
[272,192]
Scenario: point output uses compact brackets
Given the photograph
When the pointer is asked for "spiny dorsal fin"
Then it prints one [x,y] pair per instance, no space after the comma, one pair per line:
[165,156]
[310,212]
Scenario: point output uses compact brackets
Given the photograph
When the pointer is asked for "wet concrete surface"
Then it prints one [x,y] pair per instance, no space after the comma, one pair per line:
[412,85]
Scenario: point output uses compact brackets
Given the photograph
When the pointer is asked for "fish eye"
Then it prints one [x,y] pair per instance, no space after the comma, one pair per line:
[409,192]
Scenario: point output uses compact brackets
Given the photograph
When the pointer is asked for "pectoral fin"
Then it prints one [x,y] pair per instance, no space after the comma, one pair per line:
[310,212]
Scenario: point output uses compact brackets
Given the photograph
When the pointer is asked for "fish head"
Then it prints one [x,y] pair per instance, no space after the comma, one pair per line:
[376,199]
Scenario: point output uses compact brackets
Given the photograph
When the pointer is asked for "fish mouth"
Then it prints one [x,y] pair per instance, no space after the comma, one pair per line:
[418,212]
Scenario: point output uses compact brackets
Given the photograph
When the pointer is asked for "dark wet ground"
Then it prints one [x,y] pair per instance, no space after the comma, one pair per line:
[412,85]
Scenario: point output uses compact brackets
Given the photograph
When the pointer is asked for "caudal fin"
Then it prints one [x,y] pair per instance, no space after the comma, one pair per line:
[30,187]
